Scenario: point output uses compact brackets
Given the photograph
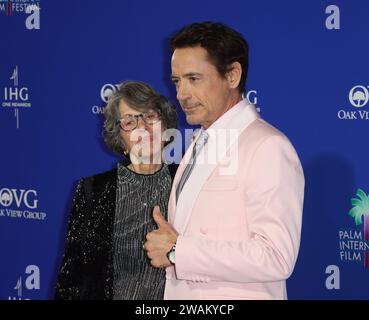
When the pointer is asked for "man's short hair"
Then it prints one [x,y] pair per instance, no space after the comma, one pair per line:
[223,44]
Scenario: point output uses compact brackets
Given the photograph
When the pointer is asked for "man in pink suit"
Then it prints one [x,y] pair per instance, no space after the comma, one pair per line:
[235,208]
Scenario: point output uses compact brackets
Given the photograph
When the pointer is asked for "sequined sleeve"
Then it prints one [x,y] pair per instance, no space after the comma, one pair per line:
[70,280]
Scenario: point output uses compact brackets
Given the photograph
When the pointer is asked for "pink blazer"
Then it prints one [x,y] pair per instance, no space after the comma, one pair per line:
[239,222]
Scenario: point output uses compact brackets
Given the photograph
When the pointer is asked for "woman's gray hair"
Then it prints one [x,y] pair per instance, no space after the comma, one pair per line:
[140,97]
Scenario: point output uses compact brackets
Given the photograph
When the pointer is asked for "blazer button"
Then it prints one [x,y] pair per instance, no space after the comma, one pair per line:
[204,230]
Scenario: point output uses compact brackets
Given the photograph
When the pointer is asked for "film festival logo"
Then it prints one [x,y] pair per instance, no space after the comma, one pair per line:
[16,96]
[20,204]
[32,282]
[354,243]
[29,7]
[358,97]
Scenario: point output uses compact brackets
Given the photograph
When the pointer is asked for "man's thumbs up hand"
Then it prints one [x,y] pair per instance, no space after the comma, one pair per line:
[160,241]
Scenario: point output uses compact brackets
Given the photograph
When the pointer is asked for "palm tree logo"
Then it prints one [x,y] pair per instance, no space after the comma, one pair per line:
[360,212]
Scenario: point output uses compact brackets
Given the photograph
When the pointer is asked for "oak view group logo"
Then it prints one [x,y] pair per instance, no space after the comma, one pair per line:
[20,204]
[106,92]
[354,243]
[358,97]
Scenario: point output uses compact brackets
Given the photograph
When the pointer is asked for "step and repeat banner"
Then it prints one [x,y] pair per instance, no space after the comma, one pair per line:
[60,61]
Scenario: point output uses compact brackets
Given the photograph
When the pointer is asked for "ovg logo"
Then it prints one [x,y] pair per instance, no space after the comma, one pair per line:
[20,204]
[16,96]
[27,197]
[354,243]
[359,96]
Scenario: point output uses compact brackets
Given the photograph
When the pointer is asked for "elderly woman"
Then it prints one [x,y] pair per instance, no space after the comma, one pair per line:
[112,211]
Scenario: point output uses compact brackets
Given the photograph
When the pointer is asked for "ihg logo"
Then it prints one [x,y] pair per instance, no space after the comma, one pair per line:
[32,274]
[8,197]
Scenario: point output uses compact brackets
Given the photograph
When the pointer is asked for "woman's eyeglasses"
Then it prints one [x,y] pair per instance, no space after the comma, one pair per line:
[129,122]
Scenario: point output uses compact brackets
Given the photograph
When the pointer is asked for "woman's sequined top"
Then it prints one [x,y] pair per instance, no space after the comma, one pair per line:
[134,277]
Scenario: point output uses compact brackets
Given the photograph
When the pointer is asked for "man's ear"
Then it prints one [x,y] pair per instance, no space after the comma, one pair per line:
[234,75]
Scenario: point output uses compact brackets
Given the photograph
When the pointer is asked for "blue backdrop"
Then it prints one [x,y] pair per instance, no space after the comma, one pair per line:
[309,75]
